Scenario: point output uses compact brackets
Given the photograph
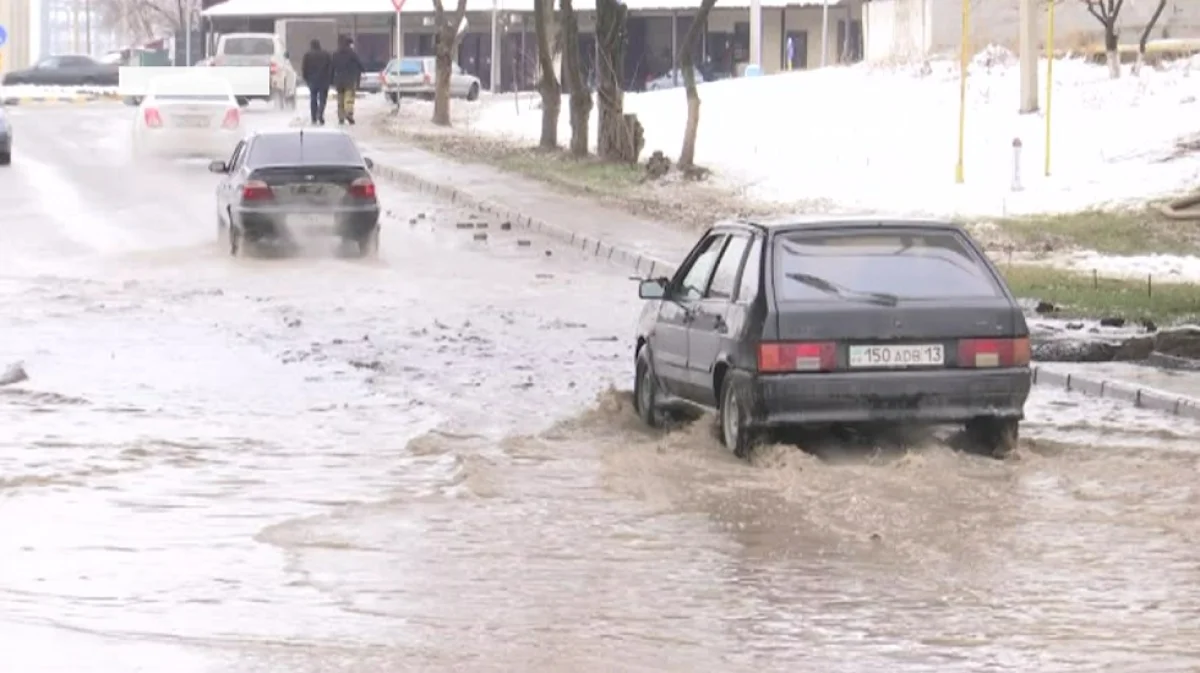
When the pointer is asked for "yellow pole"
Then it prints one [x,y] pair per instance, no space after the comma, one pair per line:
[964,62]
[1049,75]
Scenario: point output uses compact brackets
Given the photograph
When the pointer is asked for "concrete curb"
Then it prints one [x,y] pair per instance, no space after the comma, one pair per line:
[650,267]
[70,99]
[643,264]
[1142,398]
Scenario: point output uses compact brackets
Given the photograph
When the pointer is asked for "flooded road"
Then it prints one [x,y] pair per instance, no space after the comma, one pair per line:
[421,464]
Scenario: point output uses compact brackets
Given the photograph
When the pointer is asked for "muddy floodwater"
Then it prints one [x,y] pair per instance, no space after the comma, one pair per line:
[429,463]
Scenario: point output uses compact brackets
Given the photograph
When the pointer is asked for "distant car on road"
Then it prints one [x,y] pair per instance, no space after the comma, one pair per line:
[280,186]
[66,71]
[6,139]
[263,50]
[835,321]
[672,79]
[189,114]
[415,76]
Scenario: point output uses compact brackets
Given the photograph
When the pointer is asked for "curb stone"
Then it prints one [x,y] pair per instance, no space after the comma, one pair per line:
[641,263]
[1142,398]
[650,267]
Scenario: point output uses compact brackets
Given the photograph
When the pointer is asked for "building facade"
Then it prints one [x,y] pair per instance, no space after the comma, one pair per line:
[898,30]
[791,34]
[18,23]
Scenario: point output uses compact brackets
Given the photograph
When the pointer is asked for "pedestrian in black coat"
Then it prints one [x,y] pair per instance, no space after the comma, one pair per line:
[317,70]
[347,71]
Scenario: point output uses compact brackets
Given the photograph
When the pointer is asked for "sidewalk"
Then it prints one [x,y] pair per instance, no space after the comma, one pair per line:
[526,202]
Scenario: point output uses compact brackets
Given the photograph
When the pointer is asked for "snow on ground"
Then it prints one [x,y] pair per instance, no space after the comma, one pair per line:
[885,138]
[1163,268]
[30,90]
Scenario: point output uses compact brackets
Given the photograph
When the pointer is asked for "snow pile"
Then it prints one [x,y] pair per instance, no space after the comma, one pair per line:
[885,138]
[35,91]
[1163,268]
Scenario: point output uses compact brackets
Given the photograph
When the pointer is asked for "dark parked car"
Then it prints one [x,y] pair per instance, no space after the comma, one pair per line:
[280,186]
[836,321]
[66,71]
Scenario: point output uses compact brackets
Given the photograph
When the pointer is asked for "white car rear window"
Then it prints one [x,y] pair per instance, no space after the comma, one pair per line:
[248,46]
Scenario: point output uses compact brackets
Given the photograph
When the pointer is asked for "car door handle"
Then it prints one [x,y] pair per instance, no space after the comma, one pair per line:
[719,325]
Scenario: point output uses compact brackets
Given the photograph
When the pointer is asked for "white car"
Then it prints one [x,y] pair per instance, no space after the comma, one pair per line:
[188,115]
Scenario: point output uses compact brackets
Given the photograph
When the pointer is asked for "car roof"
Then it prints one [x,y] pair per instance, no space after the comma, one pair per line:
[806,221]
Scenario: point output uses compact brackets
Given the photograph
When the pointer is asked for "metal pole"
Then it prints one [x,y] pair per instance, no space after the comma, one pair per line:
[399,55]
[675,47]
[825,32]
[494,73]
[1049,76]
[187,30]
[964,63]
[87,18]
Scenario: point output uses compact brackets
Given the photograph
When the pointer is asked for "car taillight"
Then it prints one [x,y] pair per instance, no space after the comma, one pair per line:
[233,118]
[428,78]
[362,188]
[256,190]
[993,352]
[274,67]
[797,357]
[153,119]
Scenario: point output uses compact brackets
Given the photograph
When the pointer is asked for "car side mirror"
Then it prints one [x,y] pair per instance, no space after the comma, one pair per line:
[368,163]
[218,167]
[654,288]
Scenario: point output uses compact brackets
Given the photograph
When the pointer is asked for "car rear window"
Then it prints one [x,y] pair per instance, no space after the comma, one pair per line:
[298,149]
[907,263]
[412,66]
[248,46]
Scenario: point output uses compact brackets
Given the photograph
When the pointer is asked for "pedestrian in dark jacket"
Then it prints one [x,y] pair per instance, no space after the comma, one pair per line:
[317,70]
[347,70]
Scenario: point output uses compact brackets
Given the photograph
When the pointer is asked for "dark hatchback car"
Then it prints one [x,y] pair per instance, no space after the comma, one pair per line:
[833,322]
[281,186]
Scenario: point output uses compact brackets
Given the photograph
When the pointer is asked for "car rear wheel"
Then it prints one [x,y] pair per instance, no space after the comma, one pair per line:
[996,437]
[645,390]
[5,158]
[392,98]
[473,93]
[736,434]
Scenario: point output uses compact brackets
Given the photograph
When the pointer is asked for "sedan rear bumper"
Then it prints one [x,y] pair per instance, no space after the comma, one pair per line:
[943,396]
[279,223]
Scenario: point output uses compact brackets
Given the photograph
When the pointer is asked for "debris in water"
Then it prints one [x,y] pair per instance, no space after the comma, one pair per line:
[14,373]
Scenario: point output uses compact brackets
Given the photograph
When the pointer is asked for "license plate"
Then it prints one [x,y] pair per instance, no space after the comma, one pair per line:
[915,355]
[312,224]
[193,121]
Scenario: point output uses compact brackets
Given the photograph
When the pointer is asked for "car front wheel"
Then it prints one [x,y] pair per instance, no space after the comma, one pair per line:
[645,390]
[473,94]
[736,433]
[996,437]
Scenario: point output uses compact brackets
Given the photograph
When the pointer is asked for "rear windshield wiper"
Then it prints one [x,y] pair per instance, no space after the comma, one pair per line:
[880,298]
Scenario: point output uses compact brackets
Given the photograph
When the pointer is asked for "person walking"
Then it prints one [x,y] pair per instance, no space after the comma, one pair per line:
[347,70]
[317,70]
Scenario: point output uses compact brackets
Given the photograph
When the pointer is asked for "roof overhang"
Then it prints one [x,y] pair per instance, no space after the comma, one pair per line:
[332,8]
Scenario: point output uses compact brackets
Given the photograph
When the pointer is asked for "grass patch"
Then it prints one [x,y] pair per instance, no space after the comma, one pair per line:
[1080,294]
[1121,232]
[586,173]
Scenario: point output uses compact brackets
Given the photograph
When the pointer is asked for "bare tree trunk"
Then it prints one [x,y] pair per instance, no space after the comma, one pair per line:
[543,11]
[447,39]
[619,137]
[1141,57]
[1107,12]
[687,155]
[581,98]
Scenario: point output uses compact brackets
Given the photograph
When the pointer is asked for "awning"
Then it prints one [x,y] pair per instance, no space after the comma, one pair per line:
[292,8]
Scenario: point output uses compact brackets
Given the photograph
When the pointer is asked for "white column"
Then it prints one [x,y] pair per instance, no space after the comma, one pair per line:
[495,58]
[756,33]
[1029,56]
[825,33]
